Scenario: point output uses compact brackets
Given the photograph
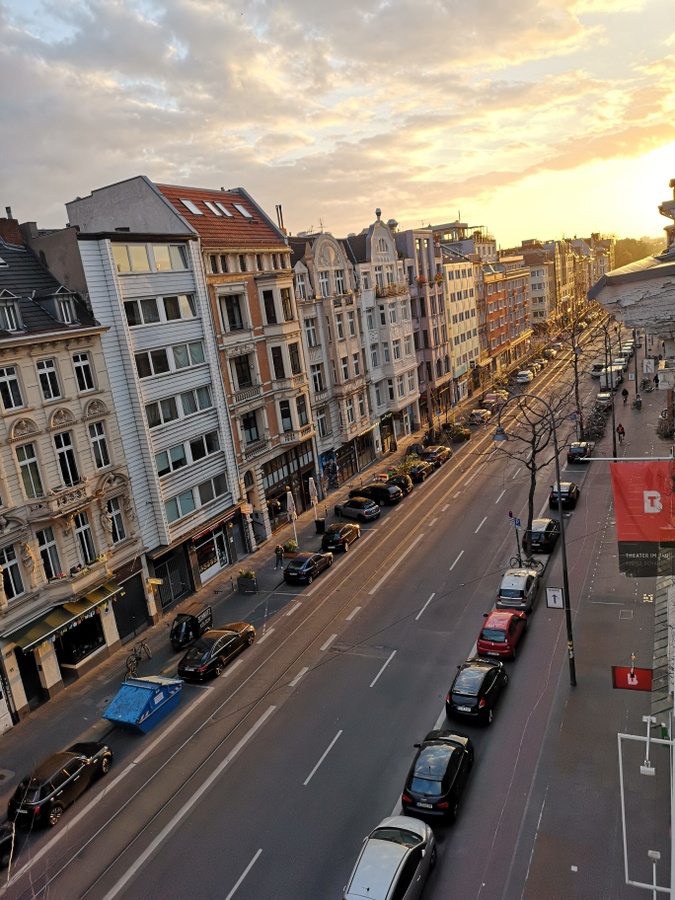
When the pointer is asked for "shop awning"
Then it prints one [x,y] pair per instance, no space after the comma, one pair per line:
[59,619]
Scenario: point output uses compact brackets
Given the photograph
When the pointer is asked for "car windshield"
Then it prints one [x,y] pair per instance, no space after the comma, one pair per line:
[199,652]
[28,791]
[297,565]
[510,594]
[397,836]
[494,635]
[469,682]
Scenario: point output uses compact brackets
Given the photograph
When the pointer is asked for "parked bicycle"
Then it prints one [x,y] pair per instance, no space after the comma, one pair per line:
[519,562]
[136,655]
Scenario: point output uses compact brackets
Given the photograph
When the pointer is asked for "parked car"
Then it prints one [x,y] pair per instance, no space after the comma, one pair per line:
[476,689]
[501,633]
[189,625]
[358,508]
[541,362]
[421,471]
[494,400]
[567,491]
[340,535]
[597,367]
[603,401]
[438,775]
[524,377]
[306,566]
[402,481]
[44,794]
[545,534]
[479,416]
[395,861]
[620,362]
[550,353]
[497,392]
[213,650]
[518,589]
[383,494]
[534,367]
[580,451]
[437,455]
[556,345]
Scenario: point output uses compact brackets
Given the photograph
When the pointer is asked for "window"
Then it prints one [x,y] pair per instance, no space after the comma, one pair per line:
[350,410]
[186,355]
[356,363]
[383,316]
[340,325]
[301,406]
[65,310]
[392,314]
[340,286]
[362,406]
[294,354]
[161,412]
[180,506]
[301,287]
[83,372]
[287,304]
[49,382]
[141,312]
[310,332]
[370,321]
[390,388]
[270,310]
[49,553]
[400,389]
[278,362]
[378,395]
[374,361]
[118,532]
[10,392]
[196,401]
[386,355]
[30,472]
[85,540]
[11,573]
[318,378]
[65,455]
[285,415]
[397,349]
[170,460]
[344,366]
[204,445]
[9,320]
[411,382]
[407,345]
[179,307]
[131,258]
[242,262]
[152,362]
[324,284]
[379,278]
[250,425]
[351,324]
[243,371]
[321,422]
[99,444]
[214,487]
[231,306]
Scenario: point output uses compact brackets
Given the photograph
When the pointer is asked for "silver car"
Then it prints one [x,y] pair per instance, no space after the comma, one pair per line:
[518,590]
[395,861]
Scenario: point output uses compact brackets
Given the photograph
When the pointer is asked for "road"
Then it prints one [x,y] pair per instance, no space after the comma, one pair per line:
[267,781]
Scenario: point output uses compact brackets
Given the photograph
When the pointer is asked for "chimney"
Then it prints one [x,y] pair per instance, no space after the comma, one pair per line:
[9,229]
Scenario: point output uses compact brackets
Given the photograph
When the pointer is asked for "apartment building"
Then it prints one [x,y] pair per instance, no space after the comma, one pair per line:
[458,271]
[72,579]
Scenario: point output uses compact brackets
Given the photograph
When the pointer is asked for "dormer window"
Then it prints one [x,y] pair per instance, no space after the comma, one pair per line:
[66,310]
[9,316]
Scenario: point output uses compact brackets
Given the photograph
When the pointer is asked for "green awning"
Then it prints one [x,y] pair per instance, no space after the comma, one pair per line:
[61,618]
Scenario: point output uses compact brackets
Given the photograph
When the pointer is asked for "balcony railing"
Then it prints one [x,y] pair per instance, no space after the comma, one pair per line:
[247,394]
[59,502]
[258,448]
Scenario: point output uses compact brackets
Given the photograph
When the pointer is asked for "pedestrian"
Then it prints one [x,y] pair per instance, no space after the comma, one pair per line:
[624,394]
[279,557]
[621,431]
[656,380]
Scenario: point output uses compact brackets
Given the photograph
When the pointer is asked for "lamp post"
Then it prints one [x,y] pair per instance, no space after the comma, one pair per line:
[500,435]
[608,354]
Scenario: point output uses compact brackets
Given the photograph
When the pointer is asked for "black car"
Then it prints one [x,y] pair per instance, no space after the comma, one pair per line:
[402,481]
[57,782]
[477,686]
[545,534]
[381,493]
[438,775]
[340,535]
[436,455]
[420,471]
[567,491]
[358,508]
[215,648]
[580,451]
[306,566]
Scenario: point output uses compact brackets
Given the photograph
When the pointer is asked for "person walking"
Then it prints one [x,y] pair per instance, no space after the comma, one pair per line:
[656,381]
[624,394]
[621,431]
[279,557]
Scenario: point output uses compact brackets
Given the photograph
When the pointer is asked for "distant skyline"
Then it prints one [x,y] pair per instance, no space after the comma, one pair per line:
[535,119]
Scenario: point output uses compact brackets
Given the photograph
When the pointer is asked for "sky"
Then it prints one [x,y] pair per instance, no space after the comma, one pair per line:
[533,118]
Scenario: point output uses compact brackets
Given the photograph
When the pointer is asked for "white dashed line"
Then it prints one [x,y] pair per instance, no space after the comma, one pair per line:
[293,609]
[353,613]
[329,642]
[433,522]
[461,554]
[299,676]
[266,635]
[500,496]
[425,606]
[374,681]
[481,525]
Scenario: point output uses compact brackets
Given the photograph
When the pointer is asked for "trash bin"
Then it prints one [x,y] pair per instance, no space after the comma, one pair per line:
[320,526]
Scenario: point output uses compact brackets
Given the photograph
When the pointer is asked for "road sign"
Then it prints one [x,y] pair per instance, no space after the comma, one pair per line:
[516,522]
[554,598]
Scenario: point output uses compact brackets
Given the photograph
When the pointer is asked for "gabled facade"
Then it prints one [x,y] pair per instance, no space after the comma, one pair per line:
[330,314]
[72,580]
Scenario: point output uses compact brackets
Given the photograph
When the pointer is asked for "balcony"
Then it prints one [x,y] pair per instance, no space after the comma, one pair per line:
[397,289]
[247,394]
[255,449]
[59,502]
[296,437]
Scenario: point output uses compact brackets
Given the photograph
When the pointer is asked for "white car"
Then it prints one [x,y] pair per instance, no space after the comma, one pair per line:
[524,377]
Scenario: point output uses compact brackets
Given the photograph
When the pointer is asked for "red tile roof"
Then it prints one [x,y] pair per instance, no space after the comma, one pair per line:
[222,231]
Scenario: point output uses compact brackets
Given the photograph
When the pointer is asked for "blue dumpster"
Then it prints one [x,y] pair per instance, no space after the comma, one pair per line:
[143,702]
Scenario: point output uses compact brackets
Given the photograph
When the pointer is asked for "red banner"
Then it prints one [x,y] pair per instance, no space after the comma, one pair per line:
[631,679]
[644,500]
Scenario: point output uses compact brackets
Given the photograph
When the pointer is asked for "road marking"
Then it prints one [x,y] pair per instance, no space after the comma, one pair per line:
[194,799]
[481,525]
[325,754]
[443,508]
[433,522]
[425,606]
[456,494]
[244,874]
[266,635]
[293,609]
[329,642]
[398,562]
[514,474]
[353,613]
[299,676]
[230,669]
[471,478]
[500,496]
[461,554]
[383,668]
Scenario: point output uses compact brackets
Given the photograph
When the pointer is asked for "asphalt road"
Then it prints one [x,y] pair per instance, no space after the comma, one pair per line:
[269,778]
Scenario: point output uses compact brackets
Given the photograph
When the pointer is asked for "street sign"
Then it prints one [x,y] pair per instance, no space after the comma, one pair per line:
[554,598]
[516,522]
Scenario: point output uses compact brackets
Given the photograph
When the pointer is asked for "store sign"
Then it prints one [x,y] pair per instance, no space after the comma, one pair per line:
[644,500]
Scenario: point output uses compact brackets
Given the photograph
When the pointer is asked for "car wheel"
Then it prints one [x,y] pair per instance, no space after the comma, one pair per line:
[310,579]
[454,811]
[346,547]
[337,511]
[432,858]
[218,668]
[55,814]
[249,639]
[106,762]
[513,654]
[330,562]
[490,716]
[506,679]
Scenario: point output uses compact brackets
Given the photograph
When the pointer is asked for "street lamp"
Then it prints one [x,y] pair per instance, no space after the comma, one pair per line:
[501,435]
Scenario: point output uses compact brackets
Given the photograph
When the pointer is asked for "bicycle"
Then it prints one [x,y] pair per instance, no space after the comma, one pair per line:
[517,562]
[136,656]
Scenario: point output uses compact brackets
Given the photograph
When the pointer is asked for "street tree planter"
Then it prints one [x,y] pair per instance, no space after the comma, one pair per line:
[247,583]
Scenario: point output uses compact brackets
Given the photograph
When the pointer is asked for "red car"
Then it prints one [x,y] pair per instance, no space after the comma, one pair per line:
[500,634]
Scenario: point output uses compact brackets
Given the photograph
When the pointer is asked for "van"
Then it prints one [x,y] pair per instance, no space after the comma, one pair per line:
[518,590]
[189,625]
[611,378]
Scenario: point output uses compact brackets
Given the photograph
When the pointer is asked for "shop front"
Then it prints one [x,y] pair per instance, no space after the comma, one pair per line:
[290,471]
[220,546]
